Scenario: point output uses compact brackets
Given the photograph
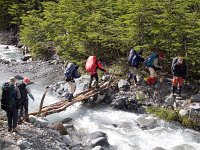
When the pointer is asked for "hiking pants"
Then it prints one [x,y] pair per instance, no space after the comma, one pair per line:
[177,80]
[72,87]
[132,74]
[91,78]
[24,109]
[152,72]
[12,116]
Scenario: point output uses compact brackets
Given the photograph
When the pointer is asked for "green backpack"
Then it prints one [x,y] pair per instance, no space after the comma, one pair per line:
[8,96]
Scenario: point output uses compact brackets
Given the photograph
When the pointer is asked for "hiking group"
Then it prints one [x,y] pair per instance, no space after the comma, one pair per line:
[14,100]
[178,68]
[15,95]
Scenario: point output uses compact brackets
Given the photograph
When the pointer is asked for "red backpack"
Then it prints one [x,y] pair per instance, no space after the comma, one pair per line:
[91,65]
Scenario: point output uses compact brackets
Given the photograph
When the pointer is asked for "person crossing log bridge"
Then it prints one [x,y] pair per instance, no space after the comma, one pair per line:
[62,105]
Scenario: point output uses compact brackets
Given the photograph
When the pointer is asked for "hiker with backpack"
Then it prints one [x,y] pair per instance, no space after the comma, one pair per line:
[71,73]
[24,91]
[133,61]
[179,71]
[152,64]
[93,63]
[10,103]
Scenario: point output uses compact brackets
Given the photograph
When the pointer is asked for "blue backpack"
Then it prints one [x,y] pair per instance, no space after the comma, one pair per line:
[130,57]
[149,61]
[71,71]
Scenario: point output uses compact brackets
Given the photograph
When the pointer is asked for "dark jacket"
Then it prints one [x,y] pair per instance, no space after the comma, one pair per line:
[179,70]
[136,59]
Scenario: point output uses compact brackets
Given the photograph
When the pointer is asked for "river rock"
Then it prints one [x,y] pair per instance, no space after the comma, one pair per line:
[195,98]
[146,122]
[32,118]
[170,100]
[183,147]
[183,112]
[67,120]
[66,139]
[158,148]
[97,134]
[41,122]
[140,95]
[122,83]
[119,102]
[26,57]
[101,141]
[105,77]
[59,127]
[23,144]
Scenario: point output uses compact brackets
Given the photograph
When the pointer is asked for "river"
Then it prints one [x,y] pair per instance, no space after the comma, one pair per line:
[127,135]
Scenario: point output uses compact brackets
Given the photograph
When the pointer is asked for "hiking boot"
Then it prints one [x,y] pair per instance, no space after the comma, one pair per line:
[15,129]
[9,129]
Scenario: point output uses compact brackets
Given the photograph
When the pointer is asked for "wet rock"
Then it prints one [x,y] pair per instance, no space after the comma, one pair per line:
[66,139]
[119,102]
[68,126]
[53,132]
[101,141]
[26,57]
[97,134]
[183,147]
[41,122]
[23,144]
[146,122]
[97,148]
[59,127]
[32,118]
[195,98]
[67,120]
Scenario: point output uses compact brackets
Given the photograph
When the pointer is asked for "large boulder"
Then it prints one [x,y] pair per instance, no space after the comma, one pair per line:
[146,122]
[82,84]
[195,98]
[140,95]
[119,102]
[97,139]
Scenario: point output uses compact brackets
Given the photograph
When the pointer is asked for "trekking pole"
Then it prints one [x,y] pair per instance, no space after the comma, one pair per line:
[42,100]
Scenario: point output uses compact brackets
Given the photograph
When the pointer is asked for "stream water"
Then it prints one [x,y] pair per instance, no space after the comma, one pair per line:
[127,135]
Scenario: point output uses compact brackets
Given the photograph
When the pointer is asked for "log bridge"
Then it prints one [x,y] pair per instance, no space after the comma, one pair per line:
[63,104]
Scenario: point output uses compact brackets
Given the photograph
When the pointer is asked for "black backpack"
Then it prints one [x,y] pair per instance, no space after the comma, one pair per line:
[23,91]
[8,96]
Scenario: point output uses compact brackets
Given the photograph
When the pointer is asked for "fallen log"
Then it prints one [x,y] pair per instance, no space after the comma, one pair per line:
[62,105]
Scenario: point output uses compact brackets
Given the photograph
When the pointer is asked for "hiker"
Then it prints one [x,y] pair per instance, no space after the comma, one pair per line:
[152,64]
[71,73]
[133,61]
[179,72]
[91,67]
[9,103]
[24,91]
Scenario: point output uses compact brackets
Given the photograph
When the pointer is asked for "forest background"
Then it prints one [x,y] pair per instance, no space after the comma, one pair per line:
[75,29]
